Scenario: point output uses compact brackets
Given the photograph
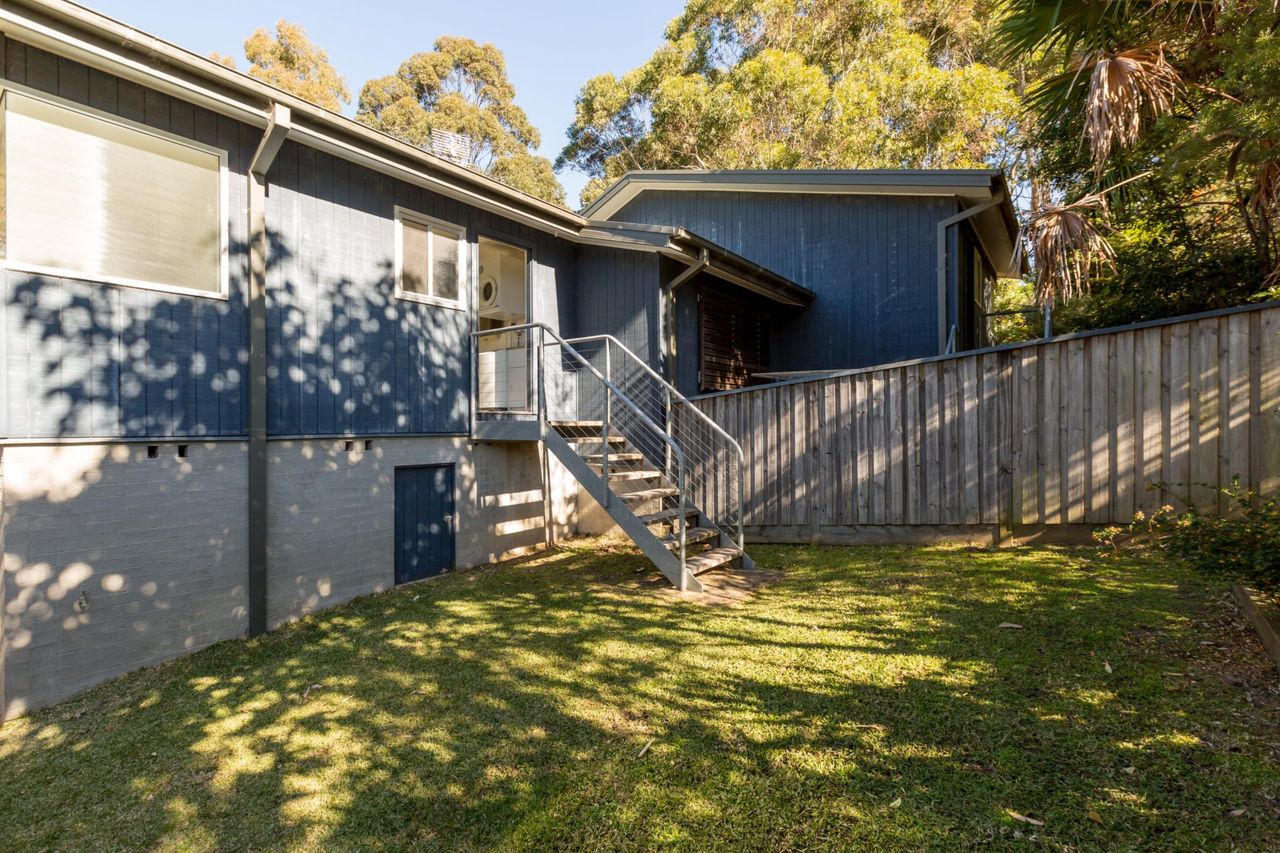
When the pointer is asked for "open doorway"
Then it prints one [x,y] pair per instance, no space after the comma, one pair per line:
[503,301]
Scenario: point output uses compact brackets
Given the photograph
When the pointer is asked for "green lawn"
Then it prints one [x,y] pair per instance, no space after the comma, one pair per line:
[868,697]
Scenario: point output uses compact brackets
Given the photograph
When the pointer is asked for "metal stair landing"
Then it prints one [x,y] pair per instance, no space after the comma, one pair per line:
[666,474]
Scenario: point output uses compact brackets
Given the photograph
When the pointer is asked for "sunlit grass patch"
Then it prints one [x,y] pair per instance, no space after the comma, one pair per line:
[867,698]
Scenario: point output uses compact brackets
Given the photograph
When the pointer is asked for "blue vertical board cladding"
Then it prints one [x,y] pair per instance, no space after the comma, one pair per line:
[345,356]
[685,340]
[617,294]
[871,260]
[86,359]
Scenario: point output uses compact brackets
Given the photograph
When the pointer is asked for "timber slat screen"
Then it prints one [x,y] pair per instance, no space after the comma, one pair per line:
[1070,431]
[734,341]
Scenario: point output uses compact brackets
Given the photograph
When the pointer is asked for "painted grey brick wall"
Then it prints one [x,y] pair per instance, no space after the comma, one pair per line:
[115,561]
[157,548]
[331,518]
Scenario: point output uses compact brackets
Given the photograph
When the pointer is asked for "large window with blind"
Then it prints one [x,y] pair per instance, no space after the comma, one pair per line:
[93,197]
[430,259]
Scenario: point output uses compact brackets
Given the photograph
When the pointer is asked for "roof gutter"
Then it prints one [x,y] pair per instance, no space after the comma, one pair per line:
[106,44]
[733,268]
[42,35]
[946,324]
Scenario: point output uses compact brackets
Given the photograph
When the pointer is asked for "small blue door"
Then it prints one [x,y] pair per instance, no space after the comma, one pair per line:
[424,522]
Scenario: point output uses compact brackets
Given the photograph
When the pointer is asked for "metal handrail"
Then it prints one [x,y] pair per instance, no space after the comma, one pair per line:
[587,363]
[672,392]
[609,385]
[671,388]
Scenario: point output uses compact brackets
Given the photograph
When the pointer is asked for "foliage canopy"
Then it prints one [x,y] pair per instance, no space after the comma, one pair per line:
[461,87]
[292,62]
[784,84]
[1169,113]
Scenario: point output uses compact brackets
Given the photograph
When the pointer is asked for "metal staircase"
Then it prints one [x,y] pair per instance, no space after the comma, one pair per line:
[667,474]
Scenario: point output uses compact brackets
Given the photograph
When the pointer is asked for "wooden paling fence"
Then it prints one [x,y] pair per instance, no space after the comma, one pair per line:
[1070,431]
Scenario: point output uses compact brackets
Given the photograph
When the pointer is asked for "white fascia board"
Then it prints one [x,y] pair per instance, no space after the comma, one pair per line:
[626,189]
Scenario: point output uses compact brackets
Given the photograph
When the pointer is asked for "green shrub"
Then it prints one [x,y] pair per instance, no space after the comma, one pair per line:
[1242,544]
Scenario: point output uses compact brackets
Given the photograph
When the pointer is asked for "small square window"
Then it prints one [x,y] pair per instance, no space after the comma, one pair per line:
[430,259]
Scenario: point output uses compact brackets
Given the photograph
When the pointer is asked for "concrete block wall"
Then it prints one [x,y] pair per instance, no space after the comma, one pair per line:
[331,519]
[114,560]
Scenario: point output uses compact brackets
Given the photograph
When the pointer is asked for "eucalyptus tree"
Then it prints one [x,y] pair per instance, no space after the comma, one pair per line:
[291,61]
[461,87]
[777,84]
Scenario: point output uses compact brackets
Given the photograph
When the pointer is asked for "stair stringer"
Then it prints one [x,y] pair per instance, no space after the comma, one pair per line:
[667,563]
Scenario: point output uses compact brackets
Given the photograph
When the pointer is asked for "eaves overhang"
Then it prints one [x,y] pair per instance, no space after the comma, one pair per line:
[690,249]
[71,30]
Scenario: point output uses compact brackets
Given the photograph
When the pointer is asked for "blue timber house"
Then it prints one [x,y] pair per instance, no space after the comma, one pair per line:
[260,359]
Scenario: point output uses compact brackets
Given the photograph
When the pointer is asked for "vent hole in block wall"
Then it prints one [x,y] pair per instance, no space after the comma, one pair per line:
[350,446]
[153,451]
[182,451]
[368,444]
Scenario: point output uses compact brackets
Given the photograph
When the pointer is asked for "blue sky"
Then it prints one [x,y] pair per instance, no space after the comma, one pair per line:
[551,47]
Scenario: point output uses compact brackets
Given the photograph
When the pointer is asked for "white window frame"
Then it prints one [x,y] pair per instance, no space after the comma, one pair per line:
[224,266]
[431,223]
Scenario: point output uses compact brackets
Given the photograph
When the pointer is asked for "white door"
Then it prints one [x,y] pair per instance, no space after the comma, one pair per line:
[504,368]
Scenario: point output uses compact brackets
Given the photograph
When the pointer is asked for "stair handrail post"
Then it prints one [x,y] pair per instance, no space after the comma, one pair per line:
[475,383]
[742,467]
[667,417]
[604,434]
[683,523]
[677,397]
[540,383]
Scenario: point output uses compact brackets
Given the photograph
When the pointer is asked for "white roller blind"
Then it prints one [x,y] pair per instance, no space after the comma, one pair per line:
[101,200]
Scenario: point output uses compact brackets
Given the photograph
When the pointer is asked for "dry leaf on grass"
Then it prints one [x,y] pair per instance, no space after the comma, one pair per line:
[896,803]
[1107,666]
[646,748]
[1094,816]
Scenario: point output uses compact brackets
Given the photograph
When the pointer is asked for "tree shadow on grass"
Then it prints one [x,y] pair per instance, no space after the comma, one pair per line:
[868,698]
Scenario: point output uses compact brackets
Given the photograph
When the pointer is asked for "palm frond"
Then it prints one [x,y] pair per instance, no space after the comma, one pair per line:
[1126,89]
[1068,249]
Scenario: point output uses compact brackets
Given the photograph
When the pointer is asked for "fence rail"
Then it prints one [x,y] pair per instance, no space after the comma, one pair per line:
[1067,431]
